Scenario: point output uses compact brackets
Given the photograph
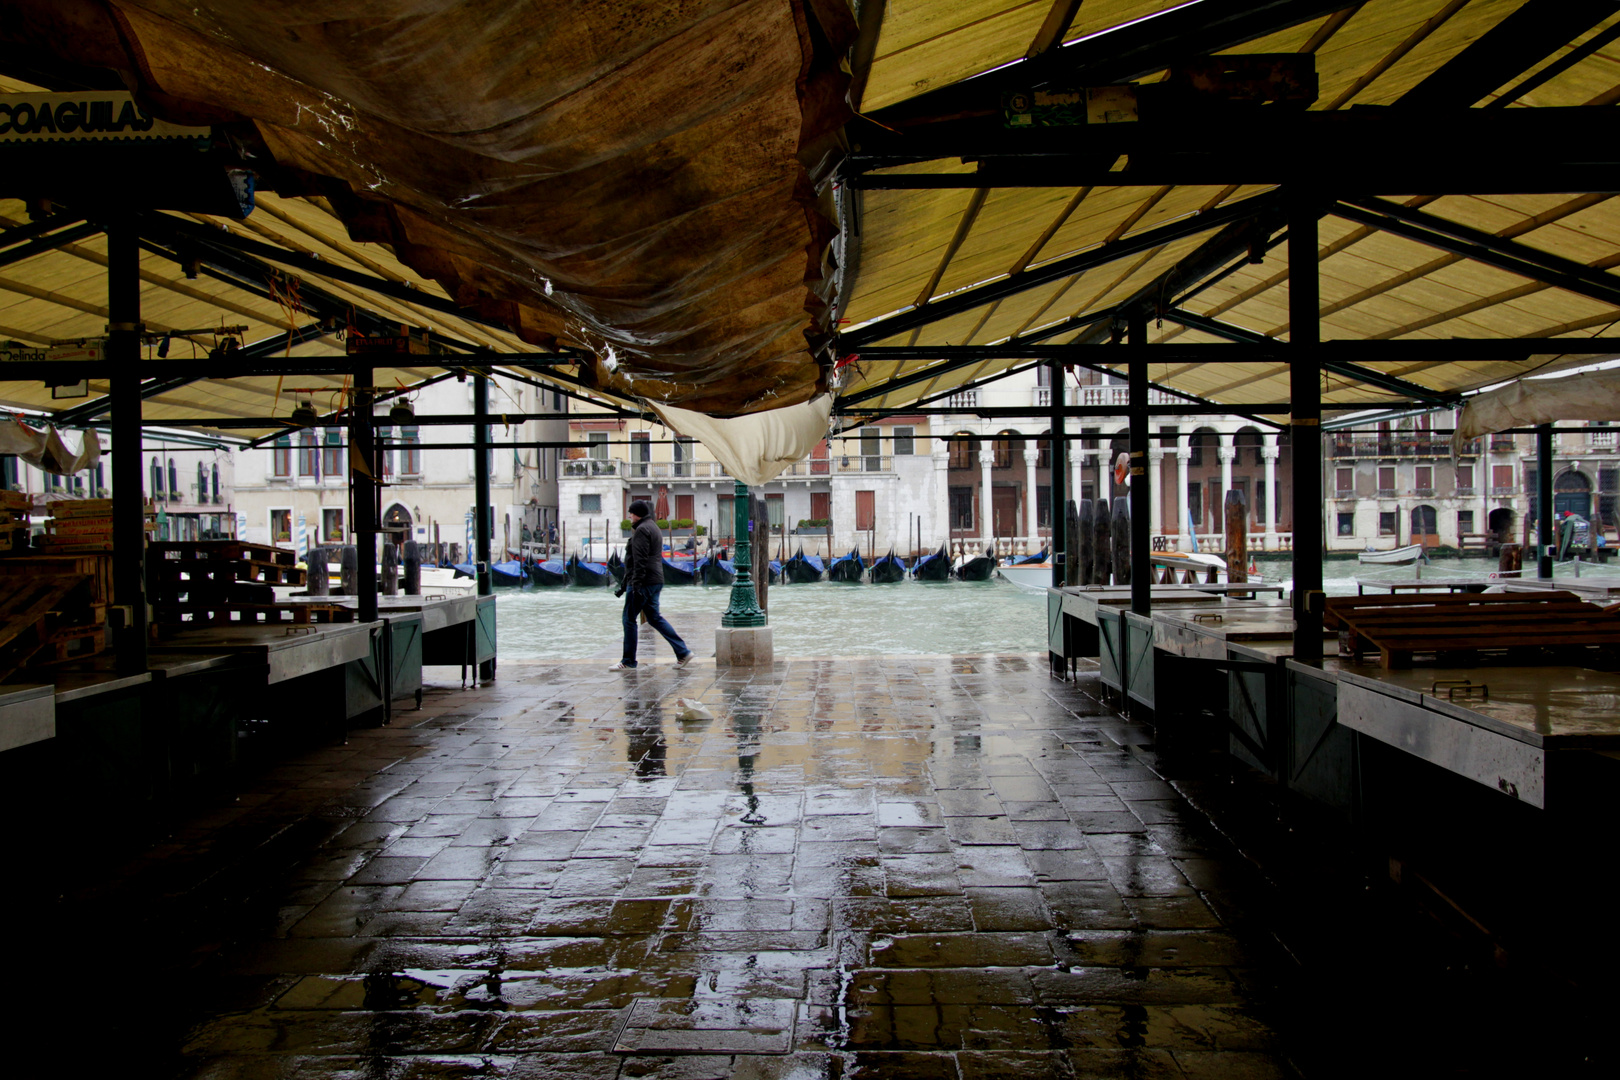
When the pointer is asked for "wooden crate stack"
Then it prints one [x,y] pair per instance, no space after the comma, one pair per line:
[14,507]
[48,615]
[228,583]
[84,525]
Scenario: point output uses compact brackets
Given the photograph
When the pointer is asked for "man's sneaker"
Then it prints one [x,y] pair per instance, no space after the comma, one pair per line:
[622,666]
[683,661]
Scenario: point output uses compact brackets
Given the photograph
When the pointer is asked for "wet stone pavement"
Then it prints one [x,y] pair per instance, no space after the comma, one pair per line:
[923,868]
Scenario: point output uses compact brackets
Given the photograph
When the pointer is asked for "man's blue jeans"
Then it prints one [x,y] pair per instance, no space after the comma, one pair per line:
[644,598]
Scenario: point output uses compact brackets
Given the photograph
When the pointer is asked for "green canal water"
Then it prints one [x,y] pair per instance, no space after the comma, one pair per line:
[821,619]
[906,618]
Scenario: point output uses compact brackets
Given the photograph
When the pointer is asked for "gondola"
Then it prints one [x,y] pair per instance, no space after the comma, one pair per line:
[847,569]
[935,567]
[550,572]
[508,575]
[888,569]
[615,567]
[1039,557]
[713,571]
[776,572]
[592,574]
[802,568]
[978,568]
[678,572]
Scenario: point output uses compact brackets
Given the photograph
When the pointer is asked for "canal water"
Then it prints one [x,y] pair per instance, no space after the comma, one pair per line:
[947,618]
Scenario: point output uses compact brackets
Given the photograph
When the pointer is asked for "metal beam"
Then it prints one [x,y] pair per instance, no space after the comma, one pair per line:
[1455,239]
[46,243]
[1134,244]
[196,236]
[1520,40]
[1368,376]
[1120,54]
[1403,351]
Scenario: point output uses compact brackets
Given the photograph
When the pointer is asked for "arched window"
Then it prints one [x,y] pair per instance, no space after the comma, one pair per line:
[174,479]
[1004,448]
[156,479]
[216,484]
[964,450]
[202,483]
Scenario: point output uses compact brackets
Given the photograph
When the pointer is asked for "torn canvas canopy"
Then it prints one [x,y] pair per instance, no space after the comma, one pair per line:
[755,448]
[1593,395]
[46,450]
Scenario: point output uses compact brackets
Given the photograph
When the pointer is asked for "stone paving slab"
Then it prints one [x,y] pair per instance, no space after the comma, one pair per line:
[953,867]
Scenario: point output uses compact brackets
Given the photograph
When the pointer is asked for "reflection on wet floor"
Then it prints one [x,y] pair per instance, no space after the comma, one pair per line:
[902,868]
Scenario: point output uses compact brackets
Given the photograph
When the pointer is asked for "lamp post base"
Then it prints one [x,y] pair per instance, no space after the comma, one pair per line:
[743,646]
[744,610]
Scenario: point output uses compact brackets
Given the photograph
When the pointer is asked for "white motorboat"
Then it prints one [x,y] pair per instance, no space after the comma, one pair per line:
[1196,563]
[1036,577]
[1400,556]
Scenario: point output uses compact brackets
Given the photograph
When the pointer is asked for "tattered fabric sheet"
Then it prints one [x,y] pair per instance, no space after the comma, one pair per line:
[638,179]
[755,448]
[46,450]
[1594,395]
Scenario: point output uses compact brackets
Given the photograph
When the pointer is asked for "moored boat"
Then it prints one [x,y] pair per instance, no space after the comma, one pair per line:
[935,567]
[713,571]
[1036,576]
[977,568]
[848,568]
[592,574]
[615,567]
[888,569]
[1185,565]
[678,572]
[549,572]
[508,575]
[802,568]
[1400,556]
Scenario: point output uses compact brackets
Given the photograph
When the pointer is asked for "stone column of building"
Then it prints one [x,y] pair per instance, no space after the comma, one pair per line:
[987,506]
[942,499]
[1156,507]
[1077,468]
[1269,452]
[1227,454]
[1183,512]
[1031,507]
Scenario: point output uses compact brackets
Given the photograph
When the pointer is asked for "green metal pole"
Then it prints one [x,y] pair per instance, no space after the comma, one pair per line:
[744,608]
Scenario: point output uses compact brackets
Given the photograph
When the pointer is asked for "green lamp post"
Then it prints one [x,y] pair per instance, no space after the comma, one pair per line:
[744,609]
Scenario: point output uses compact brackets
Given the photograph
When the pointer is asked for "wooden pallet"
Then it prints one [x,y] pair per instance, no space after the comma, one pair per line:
[98,568]
[183,550]
[174,576]
[34,610]
[1461,628]
[172,613]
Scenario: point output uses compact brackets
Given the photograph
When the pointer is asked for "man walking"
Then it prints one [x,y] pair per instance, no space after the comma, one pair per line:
[643,581]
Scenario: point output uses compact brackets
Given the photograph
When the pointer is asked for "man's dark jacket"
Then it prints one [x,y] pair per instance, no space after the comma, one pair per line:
[644,557]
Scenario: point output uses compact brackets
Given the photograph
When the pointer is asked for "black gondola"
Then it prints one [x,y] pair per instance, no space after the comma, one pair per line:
[550,572]
[615,567]
[593,574]
[935,567]
[802,568]
[888,569]
[713,571]
[847,569]
[678,572]
[978,568]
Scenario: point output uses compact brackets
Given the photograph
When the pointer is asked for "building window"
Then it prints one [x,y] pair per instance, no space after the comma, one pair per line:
[410,451]
[775,512]
[384,449]
[961,508]
[280,526]
[174,480]
[1043,506]
[1260,501]
[598,448]
[1465,479]
[683,457]
[1195,503]
[1386,523]
[1531,475]
[214,477]
[1423,479]
[726,507]
[202,483]
[904,441]
[332,525]
[308,456]
[1344,483]
[590,504]
[1043,453]
[871,450]
[1004,451]
[1465,523]
[865,510]
[1088,438]
[332,453]
[640,453]
[1347,524]
[964,449]
[1386,481]
[155,476]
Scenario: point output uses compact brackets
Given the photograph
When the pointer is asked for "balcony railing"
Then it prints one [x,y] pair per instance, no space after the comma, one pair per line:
[1501,490]
[1391,447]
[966,399]
[1600,437]
[1386,493]
[1503,444]
[808,469]
[1467,492]
[1424,492]
[1120,396]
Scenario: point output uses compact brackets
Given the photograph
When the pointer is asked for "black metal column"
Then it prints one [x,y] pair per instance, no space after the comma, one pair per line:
[129,487]
[1544,502]
[1057,462]
[363,493]
[1141,483]
[481,514]
[1305,430]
